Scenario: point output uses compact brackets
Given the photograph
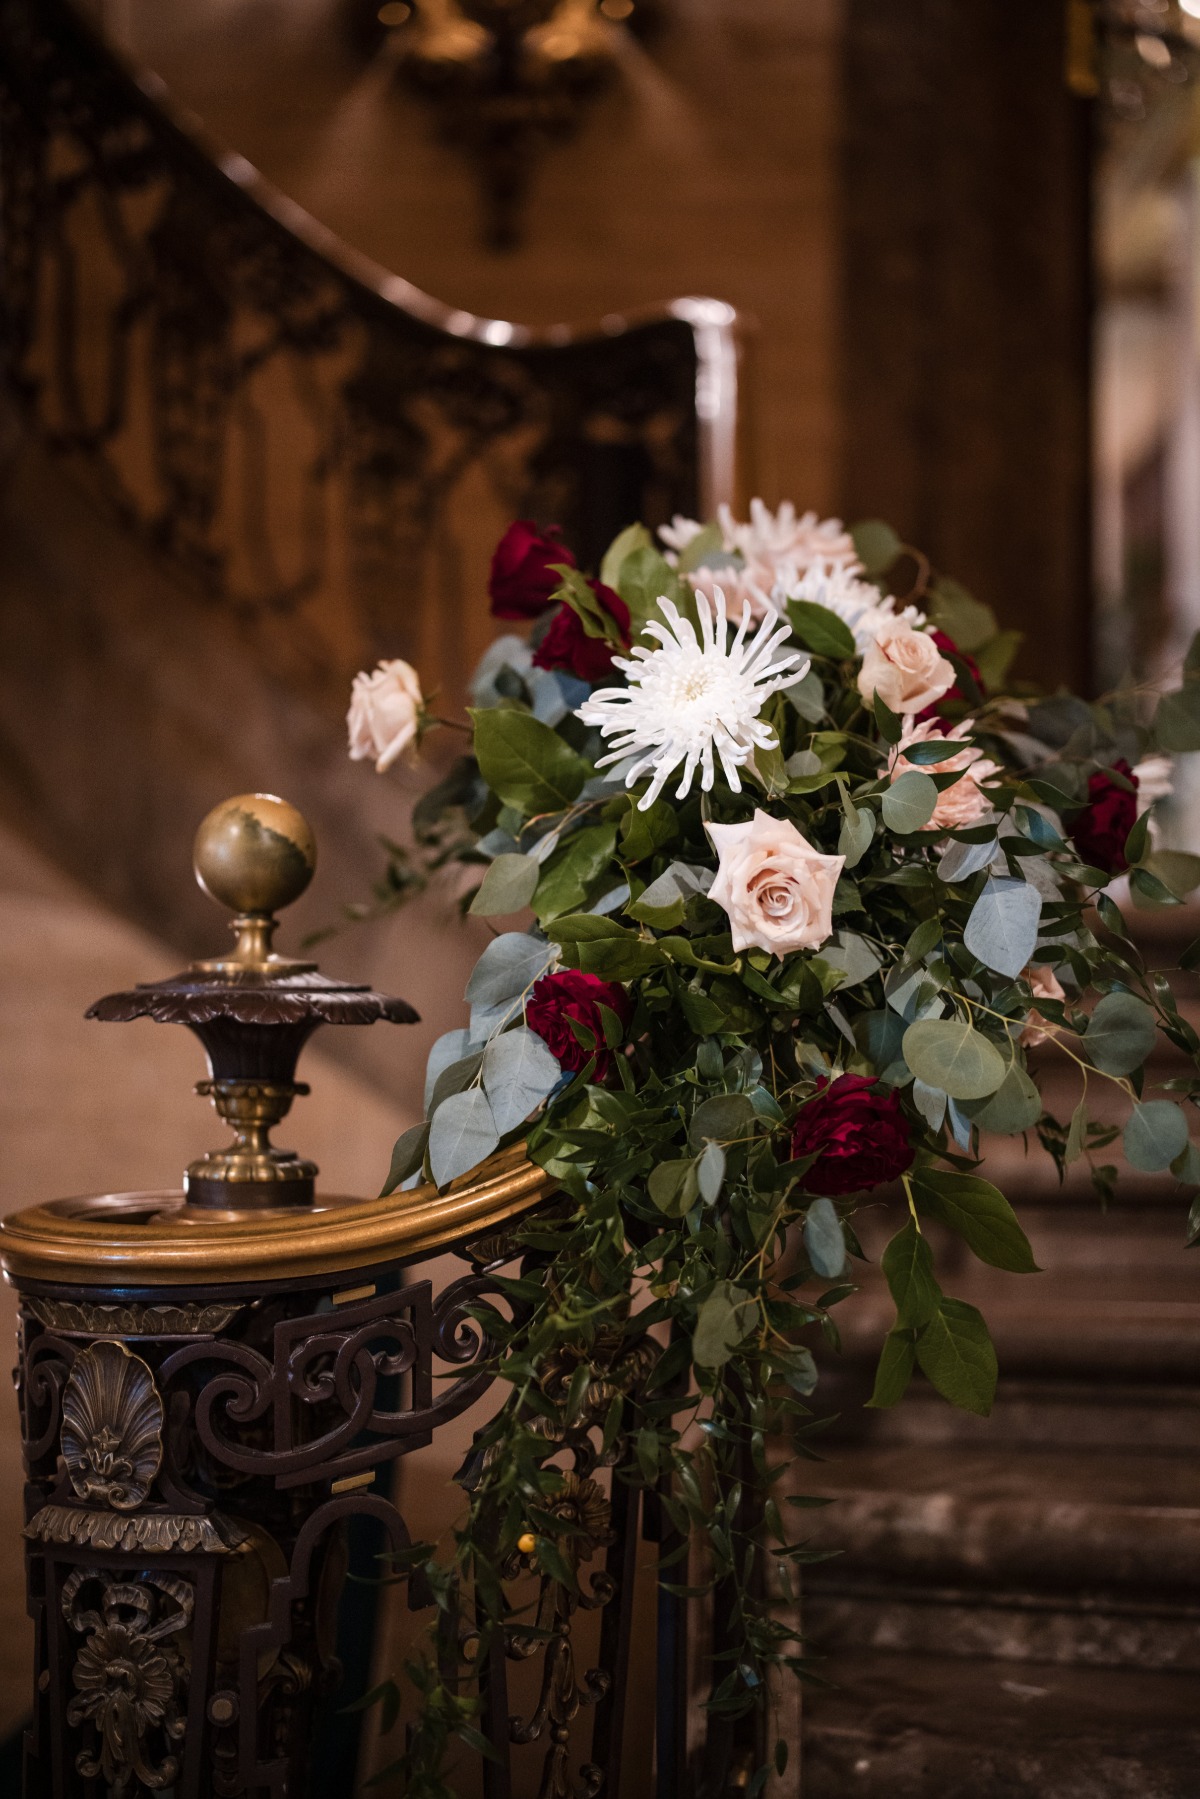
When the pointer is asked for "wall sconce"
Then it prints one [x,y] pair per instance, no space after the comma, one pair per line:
[505,78]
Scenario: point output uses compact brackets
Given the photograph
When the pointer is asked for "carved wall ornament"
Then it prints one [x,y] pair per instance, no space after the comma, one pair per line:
[129,1676]
[89,1318]
[154,1533]
[112,1423]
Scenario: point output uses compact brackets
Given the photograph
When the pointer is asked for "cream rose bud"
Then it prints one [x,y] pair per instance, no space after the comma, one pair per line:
[905,667]
[964,802]
[385,713]
[1045,985]
[776,888]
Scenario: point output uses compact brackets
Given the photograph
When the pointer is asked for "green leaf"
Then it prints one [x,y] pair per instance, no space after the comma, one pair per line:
[1016,1105]
[1120,1034]
[461,1135]
[644,833]
[707,548]
[956,1356]
[889,724]
[877,545]
[725,1117]
[948,1053]
[1077,1134]
[994,659]
[673,1187]
[527,764]
[646,577]
[407,1156]
[725,1318]
[518,1073]
[710,1171]
[587,927]
[633,537]
[907,1263]
[1178,872]
[960,615]
[853,955]
[824,1239]
[979,1213]
[858,828]
[572,869]
[506,887]
[1135,842]
[909,802]
[1156,1134]
[895,1370]
[1177,719]
[821,630]
[1002,930]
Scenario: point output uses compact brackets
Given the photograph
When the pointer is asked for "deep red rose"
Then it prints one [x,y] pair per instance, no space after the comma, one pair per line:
[558,999]
[567,645]
[858,1131]
[522,576]
[948,647]
[1100,830]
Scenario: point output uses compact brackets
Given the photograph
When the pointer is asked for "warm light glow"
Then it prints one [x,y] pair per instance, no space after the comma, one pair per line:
[394,12]
[1190,6]
[621,9]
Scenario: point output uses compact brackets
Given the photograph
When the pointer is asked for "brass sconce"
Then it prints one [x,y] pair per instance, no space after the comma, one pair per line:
[507,76]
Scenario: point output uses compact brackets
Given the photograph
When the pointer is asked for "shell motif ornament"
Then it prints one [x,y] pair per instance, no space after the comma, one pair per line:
[112,1423]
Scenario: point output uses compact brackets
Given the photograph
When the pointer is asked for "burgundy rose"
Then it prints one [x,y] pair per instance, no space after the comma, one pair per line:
[857,1129]
[559,1000]
[1100,830]
[567,645]
[948,647]
[522,576]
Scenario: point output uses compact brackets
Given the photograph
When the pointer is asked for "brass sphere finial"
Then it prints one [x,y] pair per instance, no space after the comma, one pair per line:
[254,853]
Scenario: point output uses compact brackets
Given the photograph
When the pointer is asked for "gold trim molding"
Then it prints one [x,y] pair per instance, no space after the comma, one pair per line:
[92,1318]
[156,1240]
[154,1533]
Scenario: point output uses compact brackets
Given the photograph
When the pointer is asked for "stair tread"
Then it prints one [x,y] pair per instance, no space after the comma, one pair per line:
[948,1727]
[1037,1476]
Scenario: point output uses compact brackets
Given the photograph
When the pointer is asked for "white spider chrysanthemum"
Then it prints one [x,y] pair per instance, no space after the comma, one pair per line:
[784,537]
[856,602]
[694,697]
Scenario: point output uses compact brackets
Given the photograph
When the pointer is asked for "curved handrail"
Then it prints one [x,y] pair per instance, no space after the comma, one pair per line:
[715,324]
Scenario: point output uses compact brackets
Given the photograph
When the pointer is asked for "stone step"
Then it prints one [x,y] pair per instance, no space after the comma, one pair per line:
[1036,1555]
[940,1727]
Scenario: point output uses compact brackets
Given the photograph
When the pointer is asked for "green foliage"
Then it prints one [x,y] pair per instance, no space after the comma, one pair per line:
[688,1235]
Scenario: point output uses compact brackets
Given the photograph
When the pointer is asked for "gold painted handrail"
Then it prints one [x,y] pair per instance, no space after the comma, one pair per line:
[154,1240]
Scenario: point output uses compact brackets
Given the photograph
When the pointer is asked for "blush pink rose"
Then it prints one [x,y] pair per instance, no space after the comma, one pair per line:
[775,887]
[385,713]
[964,802]
[904,667]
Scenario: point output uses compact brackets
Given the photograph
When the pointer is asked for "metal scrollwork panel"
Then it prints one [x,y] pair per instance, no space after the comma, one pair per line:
[130,1676]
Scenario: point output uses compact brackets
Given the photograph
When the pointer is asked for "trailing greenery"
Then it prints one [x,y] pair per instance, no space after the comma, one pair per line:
[688,1097]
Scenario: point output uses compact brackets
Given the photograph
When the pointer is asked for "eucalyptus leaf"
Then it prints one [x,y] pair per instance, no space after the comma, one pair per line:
[1120,1034]
[959,861]
[725,1117]
[1002,930]
[853,955]
[450,1047]
[876,544]
[725,1319]
[950,1054]
[673,1187]
[710,1172]
[462,1134]
[824,1239]
[506,887]
[407,1156]
[1177,719]
[453,1078]
[908,803]
[518,1073]
[858,828]
[807,696]
[1015,1106]
[507,968]
[1178,872]
[1155,1135]
[930,1103]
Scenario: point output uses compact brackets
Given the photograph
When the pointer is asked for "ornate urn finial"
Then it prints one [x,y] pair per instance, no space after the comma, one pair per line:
[253,1010]
[255,854]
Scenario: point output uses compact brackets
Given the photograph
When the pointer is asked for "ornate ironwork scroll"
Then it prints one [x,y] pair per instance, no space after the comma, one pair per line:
[215,366]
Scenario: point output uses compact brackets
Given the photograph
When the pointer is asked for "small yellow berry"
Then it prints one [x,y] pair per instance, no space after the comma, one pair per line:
[527,1543]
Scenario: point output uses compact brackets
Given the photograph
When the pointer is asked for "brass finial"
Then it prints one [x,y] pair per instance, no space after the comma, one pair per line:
[255,854]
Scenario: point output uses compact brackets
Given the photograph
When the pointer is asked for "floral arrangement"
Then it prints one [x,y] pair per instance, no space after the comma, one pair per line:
[789,881]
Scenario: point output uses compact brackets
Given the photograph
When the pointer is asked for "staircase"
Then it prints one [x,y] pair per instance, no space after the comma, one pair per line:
[1018,1607]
